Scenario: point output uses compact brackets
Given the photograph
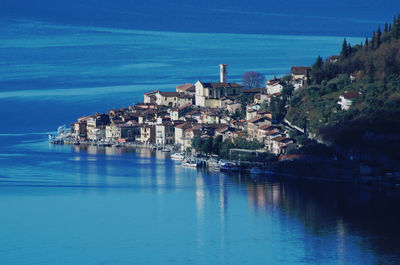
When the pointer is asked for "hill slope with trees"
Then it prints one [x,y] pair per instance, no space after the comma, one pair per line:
[371,126]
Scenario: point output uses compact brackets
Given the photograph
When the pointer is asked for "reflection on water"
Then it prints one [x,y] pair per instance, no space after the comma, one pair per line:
[210,216]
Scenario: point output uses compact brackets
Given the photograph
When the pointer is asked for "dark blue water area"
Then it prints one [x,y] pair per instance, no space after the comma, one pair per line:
[107,205]
[312,17]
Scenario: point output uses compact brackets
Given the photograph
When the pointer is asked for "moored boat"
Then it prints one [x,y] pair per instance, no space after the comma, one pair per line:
[177,156]
[229,167]
[189,163]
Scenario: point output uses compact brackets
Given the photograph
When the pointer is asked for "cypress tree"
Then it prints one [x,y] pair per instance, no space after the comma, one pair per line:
[366,43]
[390,27]
[378,37]
[345,49]
[395,28]
[373,41]
[386,28]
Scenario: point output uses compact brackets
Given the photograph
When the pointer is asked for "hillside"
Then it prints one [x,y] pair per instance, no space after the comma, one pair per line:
[369,73]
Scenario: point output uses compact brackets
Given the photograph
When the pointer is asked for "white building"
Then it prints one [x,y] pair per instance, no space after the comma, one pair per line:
[165,133]
[274,86]
[209,94]
[347,99]
[172,99]
[150,97]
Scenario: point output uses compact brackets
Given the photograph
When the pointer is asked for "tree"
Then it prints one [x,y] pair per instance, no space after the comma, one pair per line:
[206,146]
[373,41]
[196,142]
[345,49]
[253,80]
[378,38]
[316,69]
[216,145]
[287,91]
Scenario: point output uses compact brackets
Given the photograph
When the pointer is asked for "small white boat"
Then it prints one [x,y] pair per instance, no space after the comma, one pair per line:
[177,156]
[165,150]
[189,163]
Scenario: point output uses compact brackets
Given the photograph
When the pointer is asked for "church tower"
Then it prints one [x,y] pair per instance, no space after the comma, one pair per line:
[223,73]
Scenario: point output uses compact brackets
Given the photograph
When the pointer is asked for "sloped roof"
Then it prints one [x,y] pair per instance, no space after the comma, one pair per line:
[169,94]
[351,95]
[300,70]
[187,87]
[255,119]
[221,85]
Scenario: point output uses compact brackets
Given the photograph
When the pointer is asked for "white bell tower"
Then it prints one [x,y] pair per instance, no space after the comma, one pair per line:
[223,73]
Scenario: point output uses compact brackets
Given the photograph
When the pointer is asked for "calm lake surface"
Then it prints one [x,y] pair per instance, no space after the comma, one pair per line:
[77,205]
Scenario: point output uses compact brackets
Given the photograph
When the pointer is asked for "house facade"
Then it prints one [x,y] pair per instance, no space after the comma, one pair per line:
[347,99]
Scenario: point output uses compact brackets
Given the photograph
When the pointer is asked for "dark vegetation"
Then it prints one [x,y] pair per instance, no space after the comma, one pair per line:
[371,127]
[216,146]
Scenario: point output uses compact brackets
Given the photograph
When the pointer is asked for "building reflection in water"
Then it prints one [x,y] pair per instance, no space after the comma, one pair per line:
[332,211]
[320,212]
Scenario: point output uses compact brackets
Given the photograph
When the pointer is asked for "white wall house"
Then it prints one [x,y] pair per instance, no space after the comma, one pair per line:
[274,86]
[172,99]
[347,99]
[165,133]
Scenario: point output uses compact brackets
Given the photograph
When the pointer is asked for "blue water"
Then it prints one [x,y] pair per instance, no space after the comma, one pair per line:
[77,205]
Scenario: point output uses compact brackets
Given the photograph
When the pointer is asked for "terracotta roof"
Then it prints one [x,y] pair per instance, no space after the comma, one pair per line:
[280,139]
[185,106]
[300,70]
[169,94]
[266,126]
[151,93]
[351,95]
[290,157]
[255,119]
[187,87]
[184,125]
[274,82]
[271,132]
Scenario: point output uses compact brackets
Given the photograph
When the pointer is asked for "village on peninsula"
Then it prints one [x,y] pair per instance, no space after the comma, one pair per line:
[222,120]
[173,119]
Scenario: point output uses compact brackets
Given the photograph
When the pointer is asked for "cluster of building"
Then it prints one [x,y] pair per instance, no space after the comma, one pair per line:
[203,109]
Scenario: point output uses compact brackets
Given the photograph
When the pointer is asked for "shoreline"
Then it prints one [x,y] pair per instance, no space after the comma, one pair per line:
[293,170]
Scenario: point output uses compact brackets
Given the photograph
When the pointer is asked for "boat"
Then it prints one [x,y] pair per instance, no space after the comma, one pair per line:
[177,156]
[165,150]
[189,163]
[256,171]
[229,167]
